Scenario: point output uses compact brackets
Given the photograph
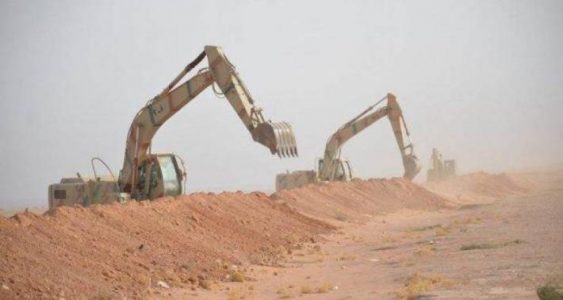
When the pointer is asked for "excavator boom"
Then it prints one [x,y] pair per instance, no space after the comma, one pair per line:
[410,162]
[277,137]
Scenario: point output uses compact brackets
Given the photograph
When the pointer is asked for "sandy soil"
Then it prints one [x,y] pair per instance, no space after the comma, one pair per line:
[10,212]
[124,249]
[359,240]
[481,187]
[359,200]
[503,249]
[189,242]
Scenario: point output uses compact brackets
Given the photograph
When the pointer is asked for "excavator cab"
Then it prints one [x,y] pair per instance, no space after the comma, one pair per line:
[161,175]
[342,170]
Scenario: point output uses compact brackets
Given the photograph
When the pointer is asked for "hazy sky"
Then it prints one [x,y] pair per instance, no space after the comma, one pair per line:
[481,80]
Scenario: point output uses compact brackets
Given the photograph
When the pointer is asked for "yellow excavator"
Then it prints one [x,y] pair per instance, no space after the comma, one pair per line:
[332,168]
[145,175]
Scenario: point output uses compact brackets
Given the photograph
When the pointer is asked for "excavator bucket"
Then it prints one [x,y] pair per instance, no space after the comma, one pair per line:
[278,137]
[412,166]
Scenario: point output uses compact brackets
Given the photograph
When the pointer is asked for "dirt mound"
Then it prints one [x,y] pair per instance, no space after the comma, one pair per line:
[538,180]
[124,249]
[357,200]
[479,187]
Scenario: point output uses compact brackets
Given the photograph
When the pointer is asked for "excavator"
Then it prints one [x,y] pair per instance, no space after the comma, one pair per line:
[441,169]
[332,168]
[147,175]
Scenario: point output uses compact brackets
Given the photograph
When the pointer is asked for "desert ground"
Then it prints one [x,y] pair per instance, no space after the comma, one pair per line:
[474,236]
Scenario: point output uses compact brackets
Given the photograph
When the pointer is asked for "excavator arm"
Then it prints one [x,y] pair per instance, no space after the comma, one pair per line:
[361,122]
[402,136]
[277,137]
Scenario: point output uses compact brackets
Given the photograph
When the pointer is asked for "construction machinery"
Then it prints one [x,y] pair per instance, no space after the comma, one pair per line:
[145,175]
[441,169]
[332,168]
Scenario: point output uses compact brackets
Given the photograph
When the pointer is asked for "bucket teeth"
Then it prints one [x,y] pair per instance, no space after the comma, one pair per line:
[278,137]
[291,144]
[286,145]
[286,140]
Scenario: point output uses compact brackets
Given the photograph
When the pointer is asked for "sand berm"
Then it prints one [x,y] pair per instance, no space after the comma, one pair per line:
[189,241]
